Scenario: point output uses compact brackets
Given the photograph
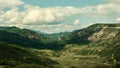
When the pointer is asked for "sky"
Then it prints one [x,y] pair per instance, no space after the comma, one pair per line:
[53,16]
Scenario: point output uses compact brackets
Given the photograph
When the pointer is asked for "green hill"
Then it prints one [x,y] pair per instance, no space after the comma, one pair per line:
[13,56]
[96,46]
[30,39]
[13,38]
[25,33]
[83,36]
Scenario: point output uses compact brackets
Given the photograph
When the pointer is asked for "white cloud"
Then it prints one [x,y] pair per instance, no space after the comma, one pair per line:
[11,17]
[39,15]
[116,1]
[52,15]
[104,9]
[10,3]
[76,22]
[118,19]
[52,18]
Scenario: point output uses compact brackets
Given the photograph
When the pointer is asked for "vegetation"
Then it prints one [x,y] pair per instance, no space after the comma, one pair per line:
[96,46]
[14,56]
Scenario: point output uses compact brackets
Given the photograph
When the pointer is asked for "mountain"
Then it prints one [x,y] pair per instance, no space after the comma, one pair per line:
[29,38]
[25,33]
[57,36]
[13,38]
[14,49]
[93,33]
[96,46]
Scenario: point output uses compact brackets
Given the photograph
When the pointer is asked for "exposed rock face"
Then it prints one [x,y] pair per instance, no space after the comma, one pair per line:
[105,33]
[94,33]
[96,36]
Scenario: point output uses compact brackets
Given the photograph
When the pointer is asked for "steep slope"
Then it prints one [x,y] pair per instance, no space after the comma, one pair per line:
[102,39]
[13,38]
[25,33]
[93,33]
[96,46]
[28,38]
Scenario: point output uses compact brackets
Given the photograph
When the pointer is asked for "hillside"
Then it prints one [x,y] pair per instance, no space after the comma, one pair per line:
[13,56]
[29,39]
[93,33]
[13,38]
[96,46]
[57,36]
[25,33]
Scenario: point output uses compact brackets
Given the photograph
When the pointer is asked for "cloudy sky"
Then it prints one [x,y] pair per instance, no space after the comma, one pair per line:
[51,16]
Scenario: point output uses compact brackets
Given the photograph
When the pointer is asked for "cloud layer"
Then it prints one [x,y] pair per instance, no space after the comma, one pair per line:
[38,15]
[9,3]
[55,19]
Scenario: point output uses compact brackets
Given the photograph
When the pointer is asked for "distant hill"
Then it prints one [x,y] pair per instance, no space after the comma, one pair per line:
[57,36]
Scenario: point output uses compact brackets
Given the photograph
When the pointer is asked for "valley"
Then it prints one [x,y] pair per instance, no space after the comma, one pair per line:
[96,46]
